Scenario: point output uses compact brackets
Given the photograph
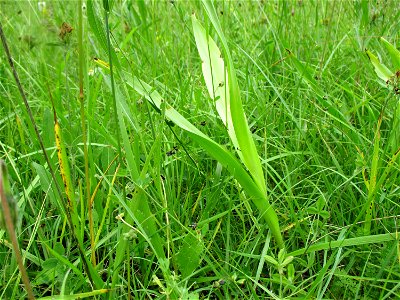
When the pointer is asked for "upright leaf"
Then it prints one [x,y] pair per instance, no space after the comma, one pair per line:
[242,131]
[215,77]
[64,166]
[218,152]
[372,180]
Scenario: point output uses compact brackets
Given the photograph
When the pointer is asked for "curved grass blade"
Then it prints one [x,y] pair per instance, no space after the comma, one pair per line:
[76,296]
[362,240]
[306,74]
[220,154]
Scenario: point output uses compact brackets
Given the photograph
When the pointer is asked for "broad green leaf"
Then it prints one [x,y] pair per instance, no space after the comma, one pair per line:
[219,153]
[393,52]
[242,131]
[64,261]
[145,220]
[189,255]
[381,70]
[215,77]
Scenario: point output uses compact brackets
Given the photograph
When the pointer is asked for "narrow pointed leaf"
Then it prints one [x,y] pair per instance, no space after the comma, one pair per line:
[306,74]
[12,203]
[372,180]
[362,240]
[146,221]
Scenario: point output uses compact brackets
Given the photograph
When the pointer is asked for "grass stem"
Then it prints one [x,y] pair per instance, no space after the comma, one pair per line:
[10,228]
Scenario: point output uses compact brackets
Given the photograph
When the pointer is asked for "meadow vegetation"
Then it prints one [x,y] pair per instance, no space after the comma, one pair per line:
[199,149]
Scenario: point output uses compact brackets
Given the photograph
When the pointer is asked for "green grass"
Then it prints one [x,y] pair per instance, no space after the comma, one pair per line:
[165,204]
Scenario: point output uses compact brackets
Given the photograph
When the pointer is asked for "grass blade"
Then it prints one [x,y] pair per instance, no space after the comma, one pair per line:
[306,73]
[64,166]
[372,180]
[76,296]
[99,31]
[84,133]
[362,240]
[220,154]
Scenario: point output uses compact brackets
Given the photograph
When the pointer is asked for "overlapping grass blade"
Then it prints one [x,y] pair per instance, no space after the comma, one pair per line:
[70,194]
[147,223]
[76,296]
[99,30]
[220,154]
[372,180]
[306,74]
[362,240]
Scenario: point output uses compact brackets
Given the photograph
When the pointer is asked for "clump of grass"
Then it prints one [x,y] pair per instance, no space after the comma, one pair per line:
[165,200]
